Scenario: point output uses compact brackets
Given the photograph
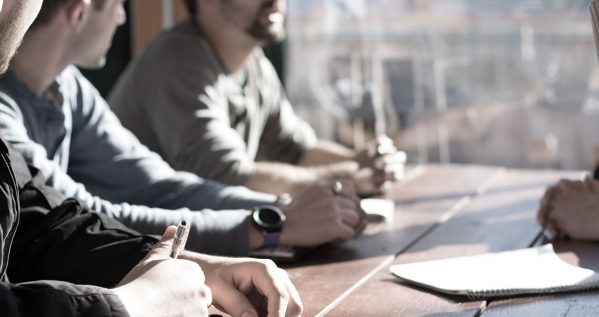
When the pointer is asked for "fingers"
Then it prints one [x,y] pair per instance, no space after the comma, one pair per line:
[552,225]
[383,145]
[386,169]
[344,231]
[545,206]
[566,185]
[349,216]
[347,189]
[295,307]
[351,213]
[162,249]
[282,298]
[274,289]
[235,302]
[392,158]
[206,294]
[252,288]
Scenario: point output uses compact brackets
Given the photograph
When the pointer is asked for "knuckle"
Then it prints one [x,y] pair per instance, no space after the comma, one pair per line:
[205,293]
[267,265]
[297,309]
[283,294]
[282,272]
[193,268]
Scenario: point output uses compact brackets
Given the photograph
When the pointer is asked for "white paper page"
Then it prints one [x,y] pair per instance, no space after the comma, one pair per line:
[526,269]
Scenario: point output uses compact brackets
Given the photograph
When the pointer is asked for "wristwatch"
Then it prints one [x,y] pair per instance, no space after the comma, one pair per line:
[269,220]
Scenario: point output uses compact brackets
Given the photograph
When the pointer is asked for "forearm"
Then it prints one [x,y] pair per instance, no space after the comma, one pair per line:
[223,232]
[278,178]
[326,152]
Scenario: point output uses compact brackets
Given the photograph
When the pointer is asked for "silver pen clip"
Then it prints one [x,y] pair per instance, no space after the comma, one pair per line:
[180,239]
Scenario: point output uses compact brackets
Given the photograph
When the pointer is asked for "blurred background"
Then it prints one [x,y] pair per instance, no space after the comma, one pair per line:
[494,82]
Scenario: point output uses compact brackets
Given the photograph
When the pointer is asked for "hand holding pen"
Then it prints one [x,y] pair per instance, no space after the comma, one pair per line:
[162,286]
[381,164]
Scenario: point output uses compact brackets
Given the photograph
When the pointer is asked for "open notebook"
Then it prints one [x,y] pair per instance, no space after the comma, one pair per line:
[528,271]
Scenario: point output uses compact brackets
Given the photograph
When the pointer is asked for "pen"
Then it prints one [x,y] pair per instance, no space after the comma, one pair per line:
[180,239]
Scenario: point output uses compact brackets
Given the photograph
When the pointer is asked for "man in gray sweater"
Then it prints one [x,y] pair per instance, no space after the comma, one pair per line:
[52,115]
[204,96]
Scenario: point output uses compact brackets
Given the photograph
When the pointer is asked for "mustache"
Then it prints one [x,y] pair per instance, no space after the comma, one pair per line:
[271,4]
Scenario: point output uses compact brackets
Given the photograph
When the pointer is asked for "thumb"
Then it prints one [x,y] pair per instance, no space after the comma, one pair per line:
[163,247]
[233,302]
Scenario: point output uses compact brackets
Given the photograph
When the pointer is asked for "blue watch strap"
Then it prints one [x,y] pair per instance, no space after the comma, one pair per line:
[271,240]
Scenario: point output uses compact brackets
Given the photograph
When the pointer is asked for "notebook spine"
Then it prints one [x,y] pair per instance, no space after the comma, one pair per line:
[474,295]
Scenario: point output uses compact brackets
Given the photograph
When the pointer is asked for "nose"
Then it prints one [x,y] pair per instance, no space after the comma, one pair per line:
[121,16]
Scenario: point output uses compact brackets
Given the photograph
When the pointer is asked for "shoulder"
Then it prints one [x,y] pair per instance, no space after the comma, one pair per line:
[74,85]
[9,106]
[178,52]
[13,93]
[72,79]
[80,94]
[263,69]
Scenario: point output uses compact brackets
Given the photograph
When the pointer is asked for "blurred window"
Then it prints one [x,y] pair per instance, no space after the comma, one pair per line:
[502,82]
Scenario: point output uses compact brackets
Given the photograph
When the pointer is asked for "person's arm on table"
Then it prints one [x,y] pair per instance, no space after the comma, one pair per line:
[242,287]
[379,164]
[319,215]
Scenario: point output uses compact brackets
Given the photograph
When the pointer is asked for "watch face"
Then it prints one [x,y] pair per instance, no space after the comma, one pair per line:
[268,218]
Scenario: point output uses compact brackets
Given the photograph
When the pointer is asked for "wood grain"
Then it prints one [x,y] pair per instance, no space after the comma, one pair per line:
[499,218]
[328,273]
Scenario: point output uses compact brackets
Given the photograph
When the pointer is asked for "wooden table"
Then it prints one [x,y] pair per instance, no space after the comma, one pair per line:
[441,211]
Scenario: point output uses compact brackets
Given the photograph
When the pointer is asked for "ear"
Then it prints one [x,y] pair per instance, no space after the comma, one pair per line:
[77,12]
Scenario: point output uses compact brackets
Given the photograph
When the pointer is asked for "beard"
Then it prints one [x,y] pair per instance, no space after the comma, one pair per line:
[12,29]
[262,31]
[268,34]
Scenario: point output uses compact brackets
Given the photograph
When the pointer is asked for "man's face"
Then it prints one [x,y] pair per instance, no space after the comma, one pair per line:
[15,18]
[95,38]
[263,20]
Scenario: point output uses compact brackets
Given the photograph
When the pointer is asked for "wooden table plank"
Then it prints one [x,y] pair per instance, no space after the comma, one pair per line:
[500,218]
[582,254]
[327,273]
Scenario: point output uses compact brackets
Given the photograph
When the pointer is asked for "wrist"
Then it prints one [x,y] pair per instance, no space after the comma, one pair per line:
[256,236]
[128,297]
[268,220]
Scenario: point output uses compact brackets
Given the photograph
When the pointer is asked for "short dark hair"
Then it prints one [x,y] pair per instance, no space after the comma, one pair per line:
[192,6]
[50,9]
